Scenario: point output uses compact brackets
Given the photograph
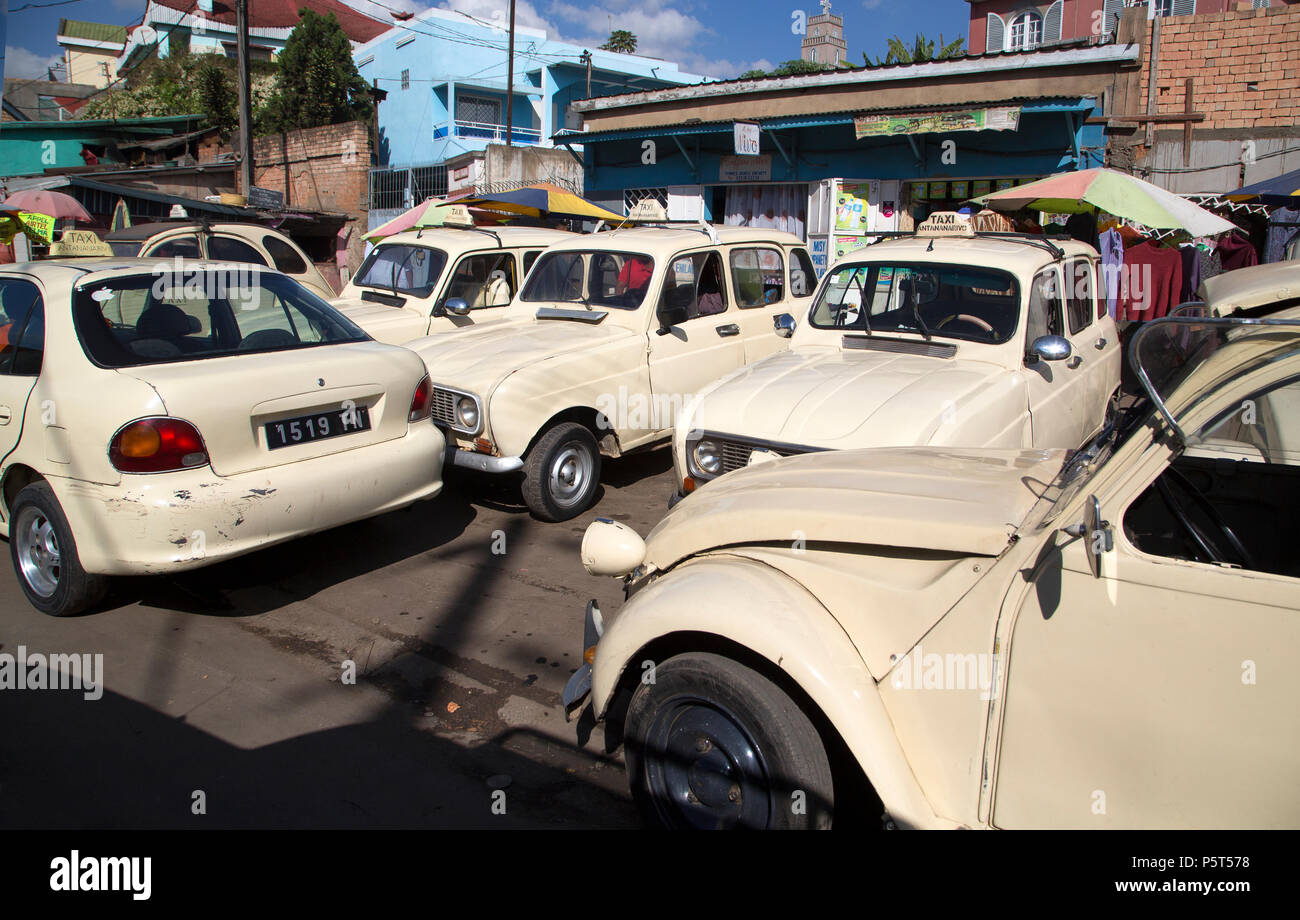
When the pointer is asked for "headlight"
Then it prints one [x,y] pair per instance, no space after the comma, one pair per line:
[467,413]
[708,459]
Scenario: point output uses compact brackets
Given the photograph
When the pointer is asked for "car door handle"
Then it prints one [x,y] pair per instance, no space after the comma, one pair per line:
[728,329]
[5,415]
[1101,343]
[1074,362]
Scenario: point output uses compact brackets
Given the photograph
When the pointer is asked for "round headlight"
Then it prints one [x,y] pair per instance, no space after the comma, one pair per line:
[467,413]
[708,458]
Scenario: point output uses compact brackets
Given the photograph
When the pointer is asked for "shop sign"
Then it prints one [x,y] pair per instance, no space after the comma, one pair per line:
[39,227]
[1001,118]
[745,169]
[746,133]
[818,248]
[266,199]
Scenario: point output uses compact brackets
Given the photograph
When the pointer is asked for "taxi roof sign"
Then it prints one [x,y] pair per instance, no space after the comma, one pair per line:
[457,216]
[648,209]
[83,243]
[946,223]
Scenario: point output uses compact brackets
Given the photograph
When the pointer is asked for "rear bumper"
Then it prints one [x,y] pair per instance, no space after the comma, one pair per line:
[169,522]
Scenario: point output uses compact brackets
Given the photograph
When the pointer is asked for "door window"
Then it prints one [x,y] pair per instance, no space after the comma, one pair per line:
[22,328]
[692,288]
[1079,282]
[803,276]
[484,280]
[1044,307]
[530,258]
[286,258]
[229,249]
[758,276]
[187,247]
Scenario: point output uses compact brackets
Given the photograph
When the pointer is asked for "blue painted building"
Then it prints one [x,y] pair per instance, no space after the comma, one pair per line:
[445,78]
[838,154]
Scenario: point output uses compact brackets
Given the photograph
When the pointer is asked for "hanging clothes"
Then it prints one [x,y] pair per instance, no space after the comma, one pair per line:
[1112,266]
[1210,263]
[1191,271]
[1152,282]
[1083,227]
[1283,234]
[1236,251]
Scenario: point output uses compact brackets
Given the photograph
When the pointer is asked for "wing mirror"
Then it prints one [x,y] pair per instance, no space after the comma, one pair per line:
[458,306]
[1049,348]
[783,325]
[1097,534]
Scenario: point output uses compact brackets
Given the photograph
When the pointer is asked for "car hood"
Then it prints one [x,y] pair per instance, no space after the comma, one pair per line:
[841,399]
[939,499]
[477,359]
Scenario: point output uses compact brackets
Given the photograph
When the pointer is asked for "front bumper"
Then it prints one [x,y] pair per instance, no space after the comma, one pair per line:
[484,463]
[170,522]
[578,688]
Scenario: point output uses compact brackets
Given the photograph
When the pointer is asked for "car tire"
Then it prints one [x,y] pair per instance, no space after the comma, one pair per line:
[562,473]
[44,555]
[713,744]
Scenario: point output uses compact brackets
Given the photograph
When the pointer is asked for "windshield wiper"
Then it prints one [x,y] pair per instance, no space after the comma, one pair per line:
[916,311]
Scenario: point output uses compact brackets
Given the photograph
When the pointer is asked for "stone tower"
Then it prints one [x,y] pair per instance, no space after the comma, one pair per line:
[824,43]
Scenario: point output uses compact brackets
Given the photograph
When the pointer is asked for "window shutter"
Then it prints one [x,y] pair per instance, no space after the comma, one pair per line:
[1052,22]
[1111,10]
[1184,7]
[995,34]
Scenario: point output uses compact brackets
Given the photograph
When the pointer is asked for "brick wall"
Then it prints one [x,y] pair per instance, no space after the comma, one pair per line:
[1224,52]
[320,169]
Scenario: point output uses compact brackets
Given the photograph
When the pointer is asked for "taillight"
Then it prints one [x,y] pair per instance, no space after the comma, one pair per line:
[157,445]
[421,402]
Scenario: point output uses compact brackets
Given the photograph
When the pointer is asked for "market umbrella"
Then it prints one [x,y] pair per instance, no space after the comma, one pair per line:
[542,199]
[1115,193]
[1280,190]
[44,201]
[427,213]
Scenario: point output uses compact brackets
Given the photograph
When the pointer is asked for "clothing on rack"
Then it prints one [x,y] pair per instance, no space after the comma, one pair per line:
[1083,227]
[1191,271]
[1236,251]
[1152,282]
[987,221]
[1283,234]
[1111,246]
[1210,263]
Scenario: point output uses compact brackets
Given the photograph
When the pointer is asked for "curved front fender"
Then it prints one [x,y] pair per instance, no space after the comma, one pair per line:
[762,609]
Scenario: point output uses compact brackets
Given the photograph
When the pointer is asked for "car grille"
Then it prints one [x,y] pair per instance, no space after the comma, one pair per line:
[735,454]
[444,407]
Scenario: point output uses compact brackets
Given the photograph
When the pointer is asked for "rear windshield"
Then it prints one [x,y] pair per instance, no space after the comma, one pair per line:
[186,314]
[945,301]
[402,269]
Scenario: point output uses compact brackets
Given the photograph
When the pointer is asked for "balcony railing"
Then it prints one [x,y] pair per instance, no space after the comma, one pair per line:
[492,132]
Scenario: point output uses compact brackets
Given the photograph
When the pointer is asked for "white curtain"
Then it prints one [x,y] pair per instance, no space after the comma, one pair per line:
[768,207]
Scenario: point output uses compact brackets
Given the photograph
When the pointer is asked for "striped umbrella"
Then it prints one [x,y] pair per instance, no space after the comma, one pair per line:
[1115,193]
[427,213]
[542,199]
[1281,190]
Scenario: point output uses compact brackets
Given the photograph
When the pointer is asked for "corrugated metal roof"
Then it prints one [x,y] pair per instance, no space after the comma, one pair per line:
[92,31]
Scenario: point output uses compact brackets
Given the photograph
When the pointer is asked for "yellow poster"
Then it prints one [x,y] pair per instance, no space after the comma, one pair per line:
[39,227]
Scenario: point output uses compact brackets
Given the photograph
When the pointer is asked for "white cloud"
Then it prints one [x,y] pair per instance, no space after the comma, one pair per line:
[19,62]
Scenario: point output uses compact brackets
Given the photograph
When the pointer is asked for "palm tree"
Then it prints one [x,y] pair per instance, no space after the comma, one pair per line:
[922,50]
[620,40]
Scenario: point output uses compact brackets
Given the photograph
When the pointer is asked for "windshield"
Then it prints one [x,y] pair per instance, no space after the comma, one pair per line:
[948,301]
[180,314]
[593,278]
[402,268]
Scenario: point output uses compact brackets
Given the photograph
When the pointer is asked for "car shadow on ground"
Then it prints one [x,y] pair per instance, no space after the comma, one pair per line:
[300,568]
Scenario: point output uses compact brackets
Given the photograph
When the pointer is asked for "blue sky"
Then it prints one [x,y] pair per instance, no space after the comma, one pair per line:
[714,37]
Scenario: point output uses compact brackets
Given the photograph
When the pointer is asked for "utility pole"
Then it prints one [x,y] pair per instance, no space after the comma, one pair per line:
[586,59]
[245,104]
[510,76]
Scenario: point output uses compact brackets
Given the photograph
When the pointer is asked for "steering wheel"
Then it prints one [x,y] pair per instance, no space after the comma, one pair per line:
[965,318]
[1204,542]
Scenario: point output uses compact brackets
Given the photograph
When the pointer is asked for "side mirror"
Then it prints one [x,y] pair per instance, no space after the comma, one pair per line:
[1097,535]
[458,306]
[783,325]
[1049,348]
[669,317]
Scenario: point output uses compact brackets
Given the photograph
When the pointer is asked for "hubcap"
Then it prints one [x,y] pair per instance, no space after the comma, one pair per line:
[704,770]
[570,475]
[38,551]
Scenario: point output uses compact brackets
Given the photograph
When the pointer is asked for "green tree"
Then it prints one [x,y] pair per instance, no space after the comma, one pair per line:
[620,40]
[181,84]
[922,49]
[319,84]
[787,69]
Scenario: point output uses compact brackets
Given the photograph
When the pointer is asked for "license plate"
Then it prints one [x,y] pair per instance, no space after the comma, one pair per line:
[318,427]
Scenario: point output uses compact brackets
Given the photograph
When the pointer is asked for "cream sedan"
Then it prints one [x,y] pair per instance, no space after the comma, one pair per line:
[970,342]
[954,637]
[160,416]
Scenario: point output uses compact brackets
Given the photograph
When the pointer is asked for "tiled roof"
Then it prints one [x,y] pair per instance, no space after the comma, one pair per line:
[283,14]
